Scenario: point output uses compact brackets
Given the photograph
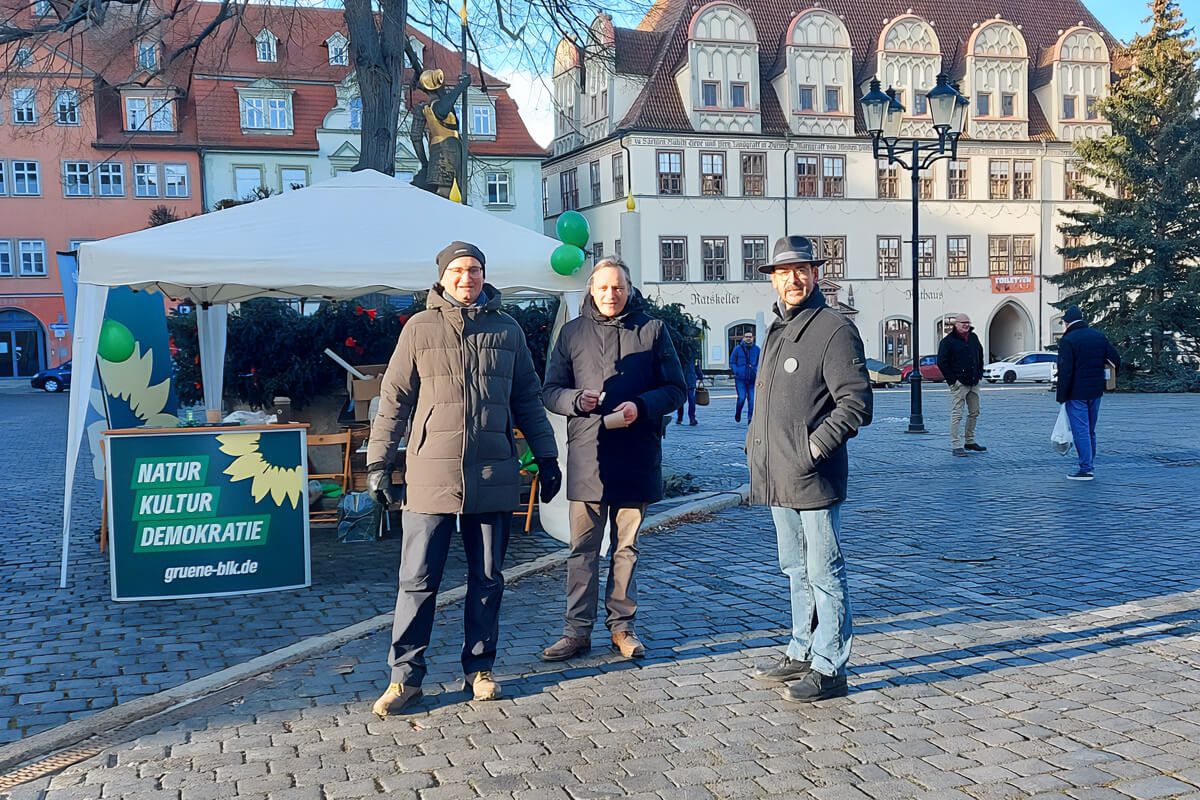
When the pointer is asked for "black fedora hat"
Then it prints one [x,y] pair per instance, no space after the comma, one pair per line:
[792,250]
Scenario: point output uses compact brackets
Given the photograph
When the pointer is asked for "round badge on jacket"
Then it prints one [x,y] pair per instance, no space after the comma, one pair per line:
[790,365]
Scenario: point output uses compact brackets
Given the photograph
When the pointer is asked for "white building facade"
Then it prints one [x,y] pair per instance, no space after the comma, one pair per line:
[719,155]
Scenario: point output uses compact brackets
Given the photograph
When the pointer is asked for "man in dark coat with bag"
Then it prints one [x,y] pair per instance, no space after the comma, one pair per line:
[614,375]
[460,378]
[1082,353]
[814,394]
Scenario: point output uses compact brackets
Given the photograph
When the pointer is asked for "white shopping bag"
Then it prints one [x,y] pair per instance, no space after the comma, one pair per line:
[1061,439]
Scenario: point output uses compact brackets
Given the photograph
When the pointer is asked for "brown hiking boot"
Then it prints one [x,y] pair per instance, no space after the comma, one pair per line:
[482,685]
[628,644]
[395,698]
[566,647]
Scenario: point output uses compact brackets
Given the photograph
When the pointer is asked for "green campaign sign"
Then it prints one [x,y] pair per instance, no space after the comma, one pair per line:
[200,513]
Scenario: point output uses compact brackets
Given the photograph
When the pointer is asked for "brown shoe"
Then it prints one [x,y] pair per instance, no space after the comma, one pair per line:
[628,644]
[395,698]
[566,647]
[482,685]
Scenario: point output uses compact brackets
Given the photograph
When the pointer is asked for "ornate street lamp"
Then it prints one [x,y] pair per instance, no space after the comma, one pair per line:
[884,115]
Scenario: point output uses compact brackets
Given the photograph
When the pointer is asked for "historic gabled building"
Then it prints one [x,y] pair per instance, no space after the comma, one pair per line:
[730,123]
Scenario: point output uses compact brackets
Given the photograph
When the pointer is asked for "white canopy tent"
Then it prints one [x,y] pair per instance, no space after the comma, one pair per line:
[356,234]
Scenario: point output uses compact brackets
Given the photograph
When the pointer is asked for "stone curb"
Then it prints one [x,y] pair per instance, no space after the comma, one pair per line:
[43,744]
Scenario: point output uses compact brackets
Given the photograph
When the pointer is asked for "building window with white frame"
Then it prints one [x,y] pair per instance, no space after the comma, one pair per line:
[26,178]
[136,113]
[999,179]
[833,176]
[920,105]
[23,58]
[1072,179]
[265,44]
[499,188]
[247,181]
[292,178]
[110,179]
[710,94]
[1068,107]
[618,173]
[888,180]
[806,98]
[545,199]
[888,249]
[42,8]
[714,254]
[927,183]
[1022,179]
[24,106]
[33,257]
[594,175]
[6,259]
[754,255]
[77,179]
[1074,261]
[568,189]
[999,255]
[926,260]
[355,113]
[162,114]
[1008,104]
[754,174]
[833,249]
[339,51]
[806,176]
[712,174]
[833,99]
[147,56]
[1022,255]
[958,256]
[3,178]
[672,251]
[175,180]
[670,172]
[66,107]
[483,120]
[145,180]
[279,113]
[738,94]
[1091,107]
[958,180]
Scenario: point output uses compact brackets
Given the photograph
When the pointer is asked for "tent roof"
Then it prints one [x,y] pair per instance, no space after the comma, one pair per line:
[354,234]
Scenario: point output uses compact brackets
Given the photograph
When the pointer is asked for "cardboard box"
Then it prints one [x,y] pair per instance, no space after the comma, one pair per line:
[1110,377]
[363,392]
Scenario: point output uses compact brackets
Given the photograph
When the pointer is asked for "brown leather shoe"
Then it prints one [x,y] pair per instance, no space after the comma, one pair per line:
[395,698]
[482,685]
[566,647]
[628,644]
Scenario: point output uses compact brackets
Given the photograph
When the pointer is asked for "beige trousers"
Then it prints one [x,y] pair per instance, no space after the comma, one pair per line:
[583,566]
[961,395]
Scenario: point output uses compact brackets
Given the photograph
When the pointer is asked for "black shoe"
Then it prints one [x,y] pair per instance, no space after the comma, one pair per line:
[961,452]
[785,669]
[1080,475]
[815,686]
[693,422]
[978,448]
[737,416]
[679,421]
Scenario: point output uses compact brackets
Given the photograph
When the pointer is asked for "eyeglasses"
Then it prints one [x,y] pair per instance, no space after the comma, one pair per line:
[799,269]
[474,272]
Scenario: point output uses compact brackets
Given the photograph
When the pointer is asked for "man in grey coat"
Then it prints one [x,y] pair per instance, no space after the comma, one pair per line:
[460,378]
[614,375]
[813,395]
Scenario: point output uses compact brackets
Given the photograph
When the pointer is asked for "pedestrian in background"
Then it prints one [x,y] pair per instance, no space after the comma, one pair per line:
[614,375]
[460,371]
[744,363]
[1082,353]
[816,395]
[691,377]
[960,358]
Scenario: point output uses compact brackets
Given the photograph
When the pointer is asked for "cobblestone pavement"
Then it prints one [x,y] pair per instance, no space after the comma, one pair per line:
[66,653]
[1017,635]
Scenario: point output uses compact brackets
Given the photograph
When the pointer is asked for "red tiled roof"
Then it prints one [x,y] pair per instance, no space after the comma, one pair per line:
[635,50]
[658,107]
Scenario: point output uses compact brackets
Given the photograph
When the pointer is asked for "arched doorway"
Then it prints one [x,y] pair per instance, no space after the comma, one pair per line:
[1010,331]
[734,334]
[22,344]
[897,341]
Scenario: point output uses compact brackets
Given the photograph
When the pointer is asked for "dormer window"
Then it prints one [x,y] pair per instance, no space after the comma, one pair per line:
[1091,108]
[42,8]
[147,56]
[1008,104]
[737,95]
[339,51]
[983,104]
[833,99]
[265,107]
[806,98]
[483,120]
[149,113]
[718,81]
[710,94]
[265,44]
[1069,107]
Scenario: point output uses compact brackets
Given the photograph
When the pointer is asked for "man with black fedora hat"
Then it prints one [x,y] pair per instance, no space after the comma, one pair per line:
[1082,353]
[460,378]
[813,395]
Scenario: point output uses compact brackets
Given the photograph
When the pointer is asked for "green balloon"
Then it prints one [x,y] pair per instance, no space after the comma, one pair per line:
[573,229]
[116,341]
[566,258]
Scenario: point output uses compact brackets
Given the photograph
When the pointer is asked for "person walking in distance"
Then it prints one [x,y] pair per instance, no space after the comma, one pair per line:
[460,371]
[815,395]
[614,375]
[691,377]
[744,363]
[1082,353]
[960,358]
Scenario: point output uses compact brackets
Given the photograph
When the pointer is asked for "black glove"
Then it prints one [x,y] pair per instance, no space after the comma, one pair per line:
[549,478]
[379,484]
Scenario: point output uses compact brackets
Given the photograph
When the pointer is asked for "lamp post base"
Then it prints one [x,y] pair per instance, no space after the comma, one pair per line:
[916,426]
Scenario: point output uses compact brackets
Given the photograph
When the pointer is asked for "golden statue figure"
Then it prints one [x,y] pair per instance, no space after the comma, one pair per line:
[434,117]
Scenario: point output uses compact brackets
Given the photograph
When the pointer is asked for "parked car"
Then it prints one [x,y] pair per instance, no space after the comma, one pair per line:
[1028,366]
[55,379]
[929,370]
[882,375]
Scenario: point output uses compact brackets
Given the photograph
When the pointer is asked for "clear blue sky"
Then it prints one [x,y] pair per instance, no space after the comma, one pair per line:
[1124,17]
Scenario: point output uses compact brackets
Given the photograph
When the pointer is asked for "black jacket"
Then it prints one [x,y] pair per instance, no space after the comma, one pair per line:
[961,360]
[812,387]
[1082,352]
[628,357]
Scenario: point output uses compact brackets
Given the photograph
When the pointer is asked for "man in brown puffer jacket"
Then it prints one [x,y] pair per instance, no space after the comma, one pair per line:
[461,378]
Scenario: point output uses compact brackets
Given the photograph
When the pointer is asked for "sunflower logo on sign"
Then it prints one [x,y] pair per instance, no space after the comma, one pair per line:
[272,470]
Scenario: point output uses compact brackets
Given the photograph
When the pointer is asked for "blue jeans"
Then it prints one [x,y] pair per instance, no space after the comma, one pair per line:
[745,393]
[811,556]
[1082,414]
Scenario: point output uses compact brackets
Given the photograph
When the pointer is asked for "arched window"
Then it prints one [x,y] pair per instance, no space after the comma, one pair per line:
[897,341]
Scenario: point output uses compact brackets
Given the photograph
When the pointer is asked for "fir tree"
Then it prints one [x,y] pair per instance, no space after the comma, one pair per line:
[1140,243]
